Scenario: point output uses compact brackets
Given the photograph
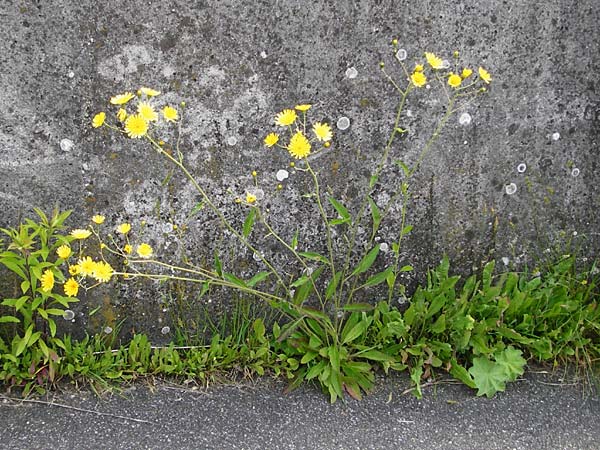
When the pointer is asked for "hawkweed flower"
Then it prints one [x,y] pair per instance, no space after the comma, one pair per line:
[98,120]
[454,80]
[286,117]
[121,115]
[484,75]
[170,114]
[47,280]
[128,249]
[271,139]
[144,250]
[98,219]
[299,146]
[418,78]
[124,228]
[148,92]
[71,287]
[419,68]
[136,126]
[74,269]
[63,252]
[121,99]
[250,198]
[434,61]
[86,266]
[466,73]
[322,131]
[303,107]
[102,272]
[80,233]
[146,111]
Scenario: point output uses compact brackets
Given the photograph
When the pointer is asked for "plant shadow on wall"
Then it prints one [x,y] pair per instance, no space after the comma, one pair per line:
[480,331]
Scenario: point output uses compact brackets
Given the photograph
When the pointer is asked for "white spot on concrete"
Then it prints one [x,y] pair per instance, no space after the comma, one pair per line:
[68,314]
[521,168]
[282,175]
[575,172]
[343,123]
[445,64]
[465,118]
[107,330]
[71,74]
[510,188]
[401,54]
[66,145]
[263,54]
[409,113]
[505,260]
[555,136]
[351,72]
[384,247]
[165,330]
[231,140]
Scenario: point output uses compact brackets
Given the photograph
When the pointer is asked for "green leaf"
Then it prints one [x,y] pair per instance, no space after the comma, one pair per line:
[260,276]
[373,180]
[234,280]
[512,362]
[9,319]
[407,229]
[407,268]
[440,325]
[218,265]
[22,343]
[249,222]
[334,358]
[316,369]
[356,331]
[314,257]
[375,355]
[367,261]
[404,167]
[341,210]
[358,307]
[460,373]
[300,281]
[196,209]
[378,278]
[15,265]
[488,376]
[486,276]
[332,285]
[375,215]
[52,326]
[294,243]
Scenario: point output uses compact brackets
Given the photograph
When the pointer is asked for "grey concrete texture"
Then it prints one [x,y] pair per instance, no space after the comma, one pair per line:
[236,64]
[539,412]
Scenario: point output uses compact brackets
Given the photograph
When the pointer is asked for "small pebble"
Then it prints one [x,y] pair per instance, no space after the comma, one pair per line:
[465,118]
[343,123]
[555,136]
[401,54]
[165,330]
[351,73]
[231,140]
[575,172]
[282,175]
[66,145]
[521,168]
[510,188]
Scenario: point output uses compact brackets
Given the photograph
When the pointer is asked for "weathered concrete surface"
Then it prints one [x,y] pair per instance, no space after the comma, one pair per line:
[236,64]
[537,413]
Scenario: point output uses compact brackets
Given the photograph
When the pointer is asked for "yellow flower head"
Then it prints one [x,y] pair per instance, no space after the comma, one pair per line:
[99,219]
[419,68]
[121,115]
[322,131]
[47,280]
[466,73]
[484,75]
[286,117]
[144,250]
[434,61]
[86,266]
[71,287]
[170,114]
[98,120]
[303,108]
[102,272]
[149,92]
[74,269]
[136,126]
[454,80]
[271,139]
[63,252]
[299,146]
[250,198]
[121,99]
[418,79]
[128,249]
[80,233]
[124,228]
[146,111]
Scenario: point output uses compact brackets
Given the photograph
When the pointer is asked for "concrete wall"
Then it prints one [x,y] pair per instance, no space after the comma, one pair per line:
[236,64]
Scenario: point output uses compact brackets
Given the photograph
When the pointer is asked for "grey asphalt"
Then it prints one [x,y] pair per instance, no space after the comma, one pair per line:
[540,411]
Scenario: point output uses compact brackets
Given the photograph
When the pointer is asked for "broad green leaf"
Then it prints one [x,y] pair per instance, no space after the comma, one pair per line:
[294,243]
[407,229]
[415,375]
[300,281]
[512,362]
[367,261]
[407,268]
[373,180]
[375,215]
[488,376]
[358,307]
[332,286]
[55,311]
[234,280]
[9,319]
[460,373]
[316,369]
[341,209]
[440,325]
[22,342]
[25,285]
[259,328]
[196,209]
[378,278]
[314,257]
[249,222]
[334,358]
[15,266]
[260,276]
[404,167]
[308,357]
[486,276]
[356,331]
[218,265]
[375,355]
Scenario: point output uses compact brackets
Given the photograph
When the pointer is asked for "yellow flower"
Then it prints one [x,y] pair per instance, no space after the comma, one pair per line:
[128,249]
[47,280]
[80,233]
[71,287]
[454,80]
[299,146]
[271,139]
[466,73]
[418,79]
[419,68]
[303,108]
[121,115]
[86,266]
[136,126]
[98,120]
[124,228]
[146,111]
[250,198]
[170,114]
[149,92]
[63,252]
[322,131]
[144,250]
[121,99]
[74,269]
[484,75]
[286,117]
[434,61]
[102,272]
[99,219]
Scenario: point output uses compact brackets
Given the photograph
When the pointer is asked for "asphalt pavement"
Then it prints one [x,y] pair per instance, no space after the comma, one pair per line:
[540,411]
